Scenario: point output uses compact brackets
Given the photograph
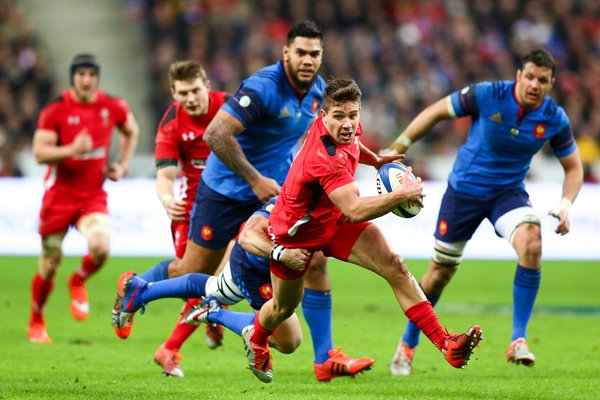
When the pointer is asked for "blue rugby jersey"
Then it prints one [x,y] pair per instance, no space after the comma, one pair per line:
[275,116]
[503,138]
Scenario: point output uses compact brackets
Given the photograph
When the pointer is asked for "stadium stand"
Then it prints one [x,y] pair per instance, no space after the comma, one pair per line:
[404,55]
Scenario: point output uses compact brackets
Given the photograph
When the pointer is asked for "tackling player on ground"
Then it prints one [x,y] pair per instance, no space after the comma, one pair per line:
[511,121]
[73,137]
[320,209]
[246,275]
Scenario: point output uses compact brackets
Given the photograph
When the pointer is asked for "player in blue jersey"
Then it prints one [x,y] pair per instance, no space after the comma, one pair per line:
[246,275]
[511,120]
[252,138]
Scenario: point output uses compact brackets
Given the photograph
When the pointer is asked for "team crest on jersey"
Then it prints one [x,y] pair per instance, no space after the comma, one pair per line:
[315,105]
[539,131]
[105,114]
[207,233]
[443,227]
[514,132]
[266,291]
[73,120]
[496,117]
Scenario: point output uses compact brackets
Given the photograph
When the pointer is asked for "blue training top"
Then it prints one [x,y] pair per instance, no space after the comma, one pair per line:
[503,137]
[275,116]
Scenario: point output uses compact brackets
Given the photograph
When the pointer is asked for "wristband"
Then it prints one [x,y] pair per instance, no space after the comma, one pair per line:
[404,140]
[564,205]
[166,198]
[277,252]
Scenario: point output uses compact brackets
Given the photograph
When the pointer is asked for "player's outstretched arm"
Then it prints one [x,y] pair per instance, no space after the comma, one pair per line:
[420,125]
[369,158]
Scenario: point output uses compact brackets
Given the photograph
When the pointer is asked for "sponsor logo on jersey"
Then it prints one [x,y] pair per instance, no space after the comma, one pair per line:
[207,233]
[284,113]
[315,105]
[539,131]
[245,101]
[443,227]
[94,154]
[266,291]
[187,136]
[496,117]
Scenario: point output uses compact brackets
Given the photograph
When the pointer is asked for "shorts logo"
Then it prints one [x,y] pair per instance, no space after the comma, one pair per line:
[266,291]
[539,131]
[443,227]
[207,233]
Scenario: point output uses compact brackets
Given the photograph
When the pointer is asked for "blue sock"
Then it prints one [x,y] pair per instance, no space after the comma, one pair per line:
[412,334]
[316,307]
[187,286]
[235,321]
[157,273]
[525,289]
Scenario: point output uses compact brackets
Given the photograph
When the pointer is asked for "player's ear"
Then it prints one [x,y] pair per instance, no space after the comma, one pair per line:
[207,83]
[286,53]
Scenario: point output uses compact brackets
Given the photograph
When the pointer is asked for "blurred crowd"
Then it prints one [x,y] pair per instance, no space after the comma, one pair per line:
[25,85]
[405,54]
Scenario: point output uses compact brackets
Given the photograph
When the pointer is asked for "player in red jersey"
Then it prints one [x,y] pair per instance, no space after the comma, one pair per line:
[73,137]
[179,141]
[319,209]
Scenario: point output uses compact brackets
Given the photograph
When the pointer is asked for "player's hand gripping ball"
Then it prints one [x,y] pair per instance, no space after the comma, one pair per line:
[390,177]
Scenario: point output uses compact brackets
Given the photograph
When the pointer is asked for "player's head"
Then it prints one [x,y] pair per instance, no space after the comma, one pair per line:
[303,53]
[84,73]
[341,109]
[190,86]
[535,78]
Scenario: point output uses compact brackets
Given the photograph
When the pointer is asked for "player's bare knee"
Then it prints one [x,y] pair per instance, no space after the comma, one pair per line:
[529,242]
[99,253]
[396,270]
[289,345]
[283,312]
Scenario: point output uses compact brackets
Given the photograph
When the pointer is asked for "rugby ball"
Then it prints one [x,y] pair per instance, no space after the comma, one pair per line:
[390,177]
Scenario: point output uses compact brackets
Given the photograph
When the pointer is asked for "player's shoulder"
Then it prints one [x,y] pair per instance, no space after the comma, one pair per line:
[552,110]
[493,90]
[55,102]
[112,100]
[170,116]
[269,76]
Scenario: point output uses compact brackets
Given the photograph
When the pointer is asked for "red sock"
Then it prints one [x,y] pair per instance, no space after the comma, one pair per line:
[261,335]
[40,290]
[183,330]
[423,316]
[88,268]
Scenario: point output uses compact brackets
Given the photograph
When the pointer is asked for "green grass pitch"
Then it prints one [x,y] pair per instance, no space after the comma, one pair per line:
[87,361]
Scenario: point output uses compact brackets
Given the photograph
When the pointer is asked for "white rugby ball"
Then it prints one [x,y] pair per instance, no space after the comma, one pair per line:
[390,177]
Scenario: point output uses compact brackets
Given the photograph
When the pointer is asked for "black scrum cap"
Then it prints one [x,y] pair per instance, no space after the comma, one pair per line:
[84,60]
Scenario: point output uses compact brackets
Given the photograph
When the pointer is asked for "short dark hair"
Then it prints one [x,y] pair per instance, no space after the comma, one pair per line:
[305,29]
[83,61]
[541,58]
[185,71]
[340,91]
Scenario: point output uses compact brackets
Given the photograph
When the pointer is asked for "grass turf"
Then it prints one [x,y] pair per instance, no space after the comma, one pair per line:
[87,360]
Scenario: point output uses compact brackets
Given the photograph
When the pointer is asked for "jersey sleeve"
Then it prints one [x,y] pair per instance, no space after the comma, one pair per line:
[47,118]
[563,143]
[330,170]
[466,101]
[166,152]
[251,101]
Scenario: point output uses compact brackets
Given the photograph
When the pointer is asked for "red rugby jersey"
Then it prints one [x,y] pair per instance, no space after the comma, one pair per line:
[179,139]
[65,116]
